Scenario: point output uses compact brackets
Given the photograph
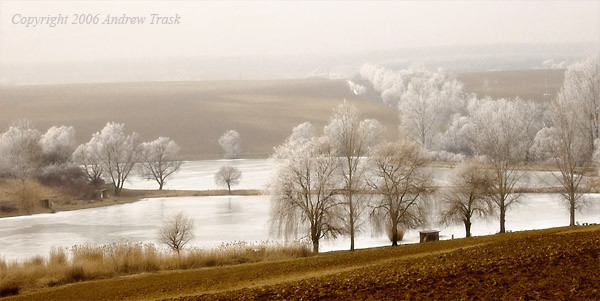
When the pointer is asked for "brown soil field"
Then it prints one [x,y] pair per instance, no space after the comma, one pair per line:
[195,114]
[556,264]
[526,84]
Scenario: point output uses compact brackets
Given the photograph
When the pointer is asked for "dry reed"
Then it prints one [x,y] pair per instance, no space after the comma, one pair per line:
[87,262]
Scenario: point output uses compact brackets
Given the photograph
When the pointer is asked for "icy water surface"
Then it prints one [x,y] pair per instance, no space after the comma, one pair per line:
[228,219]
[199,175]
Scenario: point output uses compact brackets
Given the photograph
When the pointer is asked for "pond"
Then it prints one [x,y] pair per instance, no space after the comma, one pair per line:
[237,218]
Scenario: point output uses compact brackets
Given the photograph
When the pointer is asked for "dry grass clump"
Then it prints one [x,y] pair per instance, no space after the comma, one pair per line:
[28,195]
[87,262]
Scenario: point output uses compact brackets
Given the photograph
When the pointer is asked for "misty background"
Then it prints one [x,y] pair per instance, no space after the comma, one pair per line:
[235,40]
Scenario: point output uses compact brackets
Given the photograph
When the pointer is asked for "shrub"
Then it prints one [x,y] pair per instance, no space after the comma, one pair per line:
[69,178]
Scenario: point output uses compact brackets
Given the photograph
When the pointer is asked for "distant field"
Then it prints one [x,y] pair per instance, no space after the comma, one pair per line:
[195,114]
[527,84]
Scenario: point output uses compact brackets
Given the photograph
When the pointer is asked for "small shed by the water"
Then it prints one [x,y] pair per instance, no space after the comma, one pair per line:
[101,194]
[429,235]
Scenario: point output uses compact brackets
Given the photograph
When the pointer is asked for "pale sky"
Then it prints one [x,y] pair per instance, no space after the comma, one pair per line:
[241,28]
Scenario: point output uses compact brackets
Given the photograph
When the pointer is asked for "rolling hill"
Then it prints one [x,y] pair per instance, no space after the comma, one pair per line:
[195,114]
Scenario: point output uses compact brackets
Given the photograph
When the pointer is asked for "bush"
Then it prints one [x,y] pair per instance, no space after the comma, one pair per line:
[69,178]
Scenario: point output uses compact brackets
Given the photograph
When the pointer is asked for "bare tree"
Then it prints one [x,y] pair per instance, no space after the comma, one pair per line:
[469,195]
[496,135]
[351,140]
[117,151]
[159,160]
[228,176]
[401,184]
[303,190]
[177,231]
[230,141]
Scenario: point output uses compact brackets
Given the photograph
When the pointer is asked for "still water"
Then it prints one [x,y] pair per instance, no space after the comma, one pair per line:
[227,219]
[256,173]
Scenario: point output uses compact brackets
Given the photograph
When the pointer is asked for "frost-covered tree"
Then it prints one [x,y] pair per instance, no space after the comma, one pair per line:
[401,186]
[117,151]
[496,135]
[231,143]
[564,143]
[20,150]
[159,160]
[581,89]
[58,144]
[426,106]
[87,155]
[228,176]
[303,190]
[469,194]
[302,132]
[351,139]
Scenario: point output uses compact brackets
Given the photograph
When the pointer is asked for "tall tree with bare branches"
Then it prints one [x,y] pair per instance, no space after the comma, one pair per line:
[469,194]
[303,190]
[402,186]
[351,139]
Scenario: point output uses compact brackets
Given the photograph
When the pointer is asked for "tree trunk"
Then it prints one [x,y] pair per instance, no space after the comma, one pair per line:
[229,188]
[160,185]
[572,211]
[351,224]
[467,228]
[316,246]
[502,219]
[394,235]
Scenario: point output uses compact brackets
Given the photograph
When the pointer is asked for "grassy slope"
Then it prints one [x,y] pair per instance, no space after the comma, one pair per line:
[559,263]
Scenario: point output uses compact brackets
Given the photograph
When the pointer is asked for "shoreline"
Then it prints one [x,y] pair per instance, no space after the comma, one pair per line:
[134,195]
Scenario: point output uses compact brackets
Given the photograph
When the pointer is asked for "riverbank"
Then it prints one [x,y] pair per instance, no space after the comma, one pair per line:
[557,263]
[58,200]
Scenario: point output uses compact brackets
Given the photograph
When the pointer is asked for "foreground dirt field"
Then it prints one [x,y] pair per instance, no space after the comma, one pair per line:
[560,263]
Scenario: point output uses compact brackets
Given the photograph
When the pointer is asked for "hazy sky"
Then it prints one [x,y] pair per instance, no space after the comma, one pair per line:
[273,28]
